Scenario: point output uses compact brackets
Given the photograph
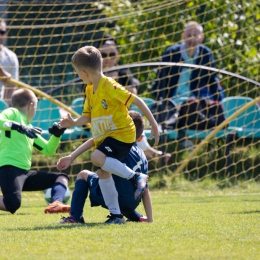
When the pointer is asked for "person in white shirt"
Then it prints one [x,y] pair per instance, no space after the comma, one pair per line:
[9,66]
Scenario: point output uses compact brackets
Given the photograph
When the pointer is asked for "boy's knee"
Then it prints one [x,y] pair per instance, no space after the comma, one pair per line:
[83,175]
[94,159]
[12,202]
[103,174]
[63,179]
[98,158]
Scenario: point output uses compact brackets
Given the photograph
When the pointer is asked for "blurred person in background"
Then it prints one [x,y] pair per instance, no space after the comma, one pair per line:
[109,52]
[9,66]
[180,82]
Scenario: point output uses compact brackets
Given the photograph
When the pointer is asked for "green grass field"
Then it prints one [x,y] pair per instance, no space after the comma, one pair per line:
[197,225]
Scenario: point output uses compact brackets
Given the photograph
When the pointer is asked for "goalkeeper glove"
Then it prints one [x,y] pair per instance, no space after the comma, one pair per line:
[30,131]
[56,130]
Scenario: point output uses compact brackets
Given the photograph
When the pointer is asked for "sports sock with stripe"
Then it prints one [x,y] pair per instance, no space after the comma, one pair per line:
[58,191]
[109,192]
[116,167]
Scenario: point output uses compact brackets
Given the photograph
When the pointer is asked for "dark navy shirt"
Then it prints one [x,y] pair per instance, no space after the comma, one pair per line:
[202,82]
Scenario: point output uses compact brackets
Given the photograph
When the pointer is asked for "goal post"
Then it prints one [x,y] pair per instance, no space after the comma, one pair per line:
[212,134]
[45,35]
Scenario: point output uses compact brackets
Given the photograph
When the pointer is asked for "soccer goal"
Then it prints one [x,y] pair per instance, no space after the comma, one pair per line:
[45,34]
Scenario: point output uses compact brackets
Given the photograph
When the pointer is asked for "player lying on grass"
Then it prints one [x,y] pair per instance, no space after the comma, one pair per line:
[106,108]
[88,181]
[18,137]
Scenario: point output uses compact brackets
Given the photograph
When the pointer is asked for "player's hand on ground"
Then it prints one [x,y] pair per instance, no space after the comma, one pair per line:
[56,130]
[155,133]
[29,131]
[64,163]
[66,122]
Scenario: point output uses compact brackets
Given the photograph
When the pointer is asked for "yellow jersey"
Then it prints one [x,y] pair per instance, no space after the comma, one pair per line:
[108,110]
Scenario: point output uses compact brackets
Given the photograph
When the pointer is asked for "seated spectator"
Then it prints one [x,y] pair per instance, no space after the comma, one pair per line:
[109,52]
[179,82]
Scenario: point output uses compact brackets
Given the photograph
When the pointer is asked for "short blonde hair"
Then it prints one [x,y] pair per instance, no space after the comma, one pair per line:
[87,57]
[193,24]
[22,97]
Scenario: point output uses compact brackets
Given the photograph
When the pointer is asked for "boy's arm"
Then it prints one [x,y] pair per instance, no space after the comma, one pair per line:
[70,122]
[147,113]
[81,149]
[148,205]
[66,161]
[47,147]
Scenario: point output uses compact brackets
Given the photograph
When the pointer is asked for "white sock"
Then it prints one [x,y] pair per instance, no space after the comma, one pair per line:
[109,192]
[116,167]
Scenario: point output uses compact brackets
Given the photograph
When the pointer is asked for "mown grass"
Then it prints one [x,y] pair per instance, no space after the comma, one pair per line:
[198,224]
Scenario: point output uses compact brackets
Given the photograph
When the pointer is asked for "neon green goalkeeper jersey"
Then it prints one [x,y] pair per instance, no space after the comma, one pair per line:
[16,148]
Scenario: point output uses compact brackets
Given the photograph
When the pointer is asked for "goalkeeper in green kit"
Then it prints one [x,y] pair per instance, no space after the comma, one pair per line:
[18,137]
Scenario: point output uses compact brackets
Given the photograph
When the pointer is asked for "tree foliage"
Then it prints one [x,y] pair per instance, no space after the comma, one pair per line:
[144,29]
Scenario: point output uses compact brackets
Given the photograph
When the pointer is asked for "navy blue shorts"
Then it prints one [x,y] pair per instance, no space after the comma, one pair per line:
[114,148]
[126,200]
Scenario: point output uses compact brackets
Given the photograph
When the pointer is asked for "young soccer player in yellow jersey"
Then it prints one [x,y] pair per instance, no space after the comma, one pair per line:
[106,108]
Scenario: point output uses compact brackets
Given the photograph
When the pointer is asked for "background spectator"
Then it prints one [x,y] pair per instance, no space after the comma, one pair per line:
[9,65]
[109,52]
[176,81]
[180,83]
